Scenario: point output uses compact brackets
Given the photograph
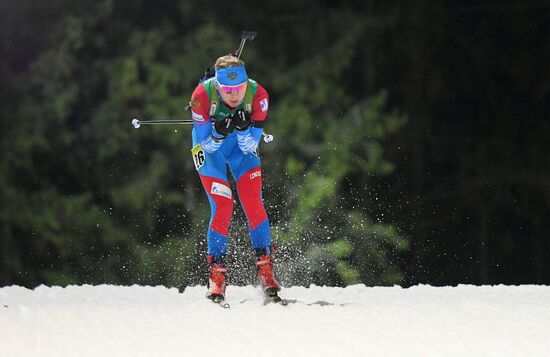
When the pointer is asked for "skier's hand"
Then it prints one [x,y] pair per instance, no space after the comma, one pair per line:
[242,119]
[225,126]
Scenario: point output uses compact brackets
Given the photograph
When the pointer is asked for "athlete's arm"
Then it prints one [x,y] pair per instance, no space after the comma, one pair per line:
[209,139]
[249,139]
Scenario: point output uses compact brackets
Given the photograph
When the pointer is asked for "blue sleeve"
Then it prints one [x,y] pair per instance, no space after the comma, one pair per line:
[202,134]
[256,133]
[203,129]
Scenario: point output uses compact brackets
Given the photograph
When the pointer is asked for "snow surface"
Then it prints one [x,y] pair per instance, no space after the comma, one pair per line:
[355,321]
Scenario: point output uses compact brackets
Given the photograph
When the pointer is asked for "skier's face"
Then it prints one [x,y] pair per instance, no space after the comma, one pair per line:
[233,95]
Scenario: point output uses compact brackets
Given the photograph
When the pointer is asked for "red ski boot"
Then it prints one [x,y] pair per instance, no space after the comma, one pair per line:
[270,286]
[217,281]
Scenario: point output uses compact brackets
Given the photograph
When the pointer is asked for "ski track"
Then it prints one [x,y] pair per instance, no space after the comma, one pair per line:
[109,320]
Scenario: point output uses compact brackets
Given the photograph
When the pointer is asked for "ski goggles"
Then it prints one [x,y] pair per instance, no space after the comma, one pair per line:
[231,89]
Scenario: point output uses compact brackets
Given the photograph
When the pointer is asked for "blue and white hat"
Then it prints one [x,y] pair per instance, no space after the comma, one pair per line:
[231,76]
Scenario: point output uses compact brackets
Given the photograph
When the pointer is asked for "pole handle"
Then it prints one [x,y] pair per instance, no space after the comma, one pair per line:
[245,35]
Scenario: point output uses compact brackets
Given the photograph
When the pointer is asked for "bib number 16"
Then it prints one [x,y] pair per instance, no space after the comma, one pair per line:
[198,156]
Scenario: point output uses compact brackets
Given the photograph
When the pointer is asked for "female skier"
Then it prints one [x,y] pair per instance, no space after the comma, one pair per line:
[229,111]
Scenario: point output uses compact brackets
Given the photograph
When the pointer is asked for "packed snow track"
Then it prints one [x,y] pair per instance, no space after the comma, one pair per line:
[355,321]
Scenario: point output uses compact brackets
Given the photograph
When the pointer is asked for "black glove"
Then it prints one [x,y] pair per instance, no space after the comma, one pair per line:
[225,126]
[242,119]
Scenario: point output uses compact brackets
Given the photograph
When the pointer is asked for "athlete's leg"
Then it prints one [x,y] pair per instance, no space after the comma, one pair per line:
[213,175]
[248,174]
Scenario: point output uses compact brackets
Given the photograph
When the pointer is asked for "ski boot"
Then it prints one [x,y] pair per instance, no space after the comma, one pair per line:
[217,281]
[264,265]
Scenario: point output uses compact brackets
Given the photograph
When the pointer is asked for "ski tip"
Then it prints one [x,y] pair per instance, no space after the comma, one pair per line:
[219,300]
[275,300]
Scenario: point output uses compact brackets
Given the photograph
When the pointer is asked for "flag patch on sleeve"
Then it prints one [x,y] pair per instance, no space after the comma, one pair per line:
[264,105]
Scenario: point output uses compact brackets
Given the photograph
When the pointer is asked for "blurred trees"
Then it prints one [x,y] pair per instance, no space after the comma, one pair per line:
[471,165]
[455,190]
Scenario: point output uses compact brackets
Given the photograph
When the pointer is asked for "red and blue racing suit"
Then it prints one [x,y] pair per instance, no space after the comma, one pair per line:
[239,151]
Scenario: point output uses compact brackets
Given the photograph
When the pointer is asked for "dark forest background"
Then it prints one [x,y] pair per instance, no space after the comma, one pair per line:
[411,140]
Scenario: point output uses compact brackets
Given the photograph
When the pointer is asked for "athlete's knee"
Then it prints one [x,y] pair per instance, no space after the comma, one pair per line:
[222,214]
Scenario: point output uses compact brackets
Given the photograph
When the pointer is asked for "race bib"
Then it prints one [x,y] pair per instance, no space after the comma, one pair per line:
[198,156]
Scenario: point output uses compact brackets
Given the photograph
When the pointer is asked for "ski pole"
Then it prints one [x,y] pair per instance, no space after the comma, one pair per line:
[137,123]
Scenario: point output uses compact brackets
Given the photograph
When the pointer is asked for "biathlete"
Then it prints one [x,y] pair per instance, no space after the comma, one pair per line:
[229,111]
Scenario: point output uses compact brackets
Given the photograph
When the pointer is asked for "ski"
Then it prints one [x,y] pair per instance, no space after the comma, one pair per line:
[223,305]
[220,301]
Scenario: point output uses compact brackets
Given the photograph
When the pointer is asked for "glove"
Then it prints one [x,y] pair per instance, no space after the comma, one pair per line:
[224,127]
[242,120]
